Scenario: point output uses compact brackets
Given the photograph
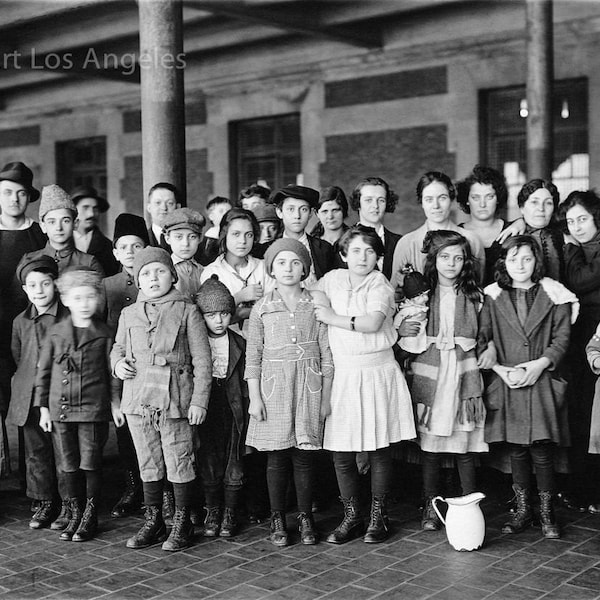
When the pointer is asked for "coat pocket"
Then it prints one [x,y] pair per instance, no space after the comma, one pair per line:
[314,381]
[559,389]
[494,395]
[267,386]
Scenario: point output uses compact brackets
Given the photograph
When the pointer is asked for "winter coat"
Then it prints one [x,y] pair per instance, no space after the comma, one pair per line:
[537,412]
[119,291]
[69,257]
[102,248]
[73,378]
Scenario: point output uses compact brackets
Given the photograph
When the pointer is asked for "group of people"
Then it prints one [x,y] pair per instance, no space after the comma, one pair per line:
[230,358]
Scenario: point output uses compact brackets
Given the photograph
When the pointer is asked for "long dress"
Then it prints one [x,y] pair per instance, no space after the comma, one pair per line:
[370,401]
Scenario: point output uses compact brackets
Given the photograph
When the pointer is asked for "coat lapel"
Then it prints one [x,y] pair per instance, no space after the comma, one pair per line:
[506,308]
[235,354]
[540,308]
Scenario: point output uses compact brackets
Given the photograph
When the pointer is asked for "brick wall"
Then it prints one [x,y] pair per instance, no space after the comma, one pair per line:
[400,156]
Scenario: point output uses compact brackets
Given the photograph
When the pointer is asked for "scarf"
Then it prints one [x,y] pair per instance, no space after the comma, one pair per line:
[426,366]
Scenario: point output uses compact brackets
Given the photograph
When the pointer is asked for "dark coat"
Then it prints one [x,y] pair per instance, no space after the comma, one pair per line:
[28,335]
[158,243]
[69,257]
[390,239]
[73,378]
[537,412]
[101,247]
[119,291]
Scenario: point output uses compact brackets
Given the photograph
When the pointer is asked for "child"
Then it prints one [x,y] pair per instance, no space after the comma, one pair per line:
[37,276]
[161,353]
[73,393]
[528,318]
[446,386]
[221,434]
[209,248]
[57,220]
[370,402]
[289,371]
[413,305]
[253,196]
[130,236]
[183,230]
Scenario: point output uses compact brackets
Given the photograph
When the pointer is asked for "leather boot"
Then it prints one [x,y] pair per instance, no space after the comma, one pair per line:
[306,527]
[168,506]
[278,532]
[549,526]
[212,521]
[76,514]
[378,528]
[351,526]
[229,524]
[64,516]
[42,516]
[131,499]
[153,530]
[89,523]
[522,518]
[182,531]
[430,521]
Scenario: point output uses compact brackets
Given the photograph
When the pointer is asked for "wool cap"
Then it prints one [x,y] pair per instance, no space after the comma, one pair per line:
[53,198]
[128,224]
[283,244]
[299,192]
[184,218]
[266,212]
[31,262]
[151,254]
[22,174]
[78,276]
[213,296]
[87,191]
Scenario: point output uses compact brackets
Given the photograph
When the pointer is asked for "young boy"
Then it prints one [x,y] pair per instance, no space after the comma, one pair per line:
[75,396]
[130,236]
[161,353]
[182,229]
[57,220]
[215,209]
[37,277]
[221,434]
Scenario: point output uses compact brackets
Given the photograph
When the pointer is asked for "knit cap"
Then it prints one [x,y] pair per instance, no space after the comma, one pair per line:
[415,283]
[53,198]
[283,244]
[31,262]
[78,276]
[184,218]
[213,296]
[151,254]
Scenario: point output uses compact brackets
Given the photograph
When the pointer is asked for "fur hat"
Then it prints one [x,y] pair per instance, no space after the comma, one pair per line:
[78,276]
[283,244]
[415,283]
[266,212]
[128,224]
[87,191]
[33,262]
[213,296]
[184,218]
[151,254]
[22,174]
[299,192]
[53,198]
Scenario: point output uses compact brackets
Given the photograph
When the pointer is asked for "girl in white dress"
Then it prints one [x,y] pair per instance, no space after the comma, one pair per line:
[370,401]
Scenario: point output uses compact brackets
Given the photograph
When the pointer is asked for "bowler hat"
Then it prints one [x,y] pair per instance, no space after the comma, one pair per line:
[22,174]
[299,192]
[87,191]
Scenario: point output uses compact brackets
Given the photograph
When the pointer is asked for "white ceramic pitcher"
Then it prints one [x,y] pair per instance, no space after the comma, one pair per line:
[465,525]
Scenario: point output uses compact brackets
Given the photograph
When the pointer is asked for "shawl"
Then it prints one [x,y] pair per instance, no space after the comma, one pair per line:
[426,365]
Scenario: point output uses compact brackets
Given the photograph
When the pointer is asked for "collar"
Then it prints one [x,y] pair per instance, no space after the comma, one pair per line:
[66,330]
[173,295]
[157,230]
[33,314]
[26,225]
[303,239]
[64,253]
[176,260]
[379,230]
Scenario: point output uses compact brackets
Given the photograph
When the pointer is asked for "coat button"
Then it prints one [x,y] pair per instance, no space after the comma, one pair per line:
[294,340]
[130,282]
[181,371]
[128,299]
[65,372]
[64,407]
[65,381]
[526,344]
[63,417]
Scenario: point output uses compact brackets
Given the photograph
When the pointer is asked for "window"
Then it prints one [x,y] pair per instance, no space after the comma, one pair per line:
[504,142]
[265,150]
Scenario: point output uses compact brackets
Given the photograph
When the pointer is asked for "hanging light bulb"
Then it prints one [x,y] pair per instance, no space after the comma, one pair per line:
[564,111]
[523,111]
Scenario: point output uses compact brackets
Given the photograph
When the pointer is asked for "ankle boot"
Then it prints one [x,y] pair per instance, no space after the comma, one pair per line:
[351,526]
[306,527]
[378,529]
[64,516]
[522,518]
[212,521]
[89,523]
[278,536]
[76,514]
[430,521]
[153,530]
[42,516]
[168,507]
[182,531]
[229,524]
[549,526]
[131,499]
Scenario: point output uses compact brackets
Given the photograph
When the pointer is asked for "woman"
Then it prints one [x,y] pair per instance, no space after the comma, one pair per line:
[482,195]
[332,209]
